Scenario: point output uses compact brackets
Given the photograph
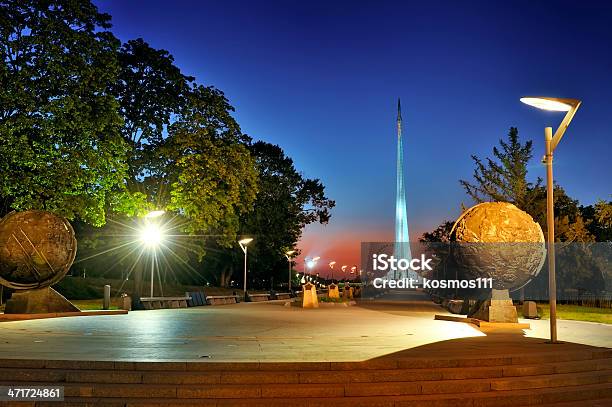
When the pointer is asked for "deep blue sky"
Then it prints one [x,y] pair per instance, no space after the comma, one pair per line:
[321,79]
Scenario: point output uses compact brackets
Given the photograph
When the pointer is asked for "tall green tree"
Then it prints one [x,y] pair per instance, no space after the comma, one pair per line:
[504,177]
[60,145]
[212,176]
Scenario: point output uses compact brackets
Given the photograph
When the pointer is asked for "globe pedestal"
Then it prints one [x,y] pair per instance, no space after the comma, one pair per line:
[498,309]
[41,301]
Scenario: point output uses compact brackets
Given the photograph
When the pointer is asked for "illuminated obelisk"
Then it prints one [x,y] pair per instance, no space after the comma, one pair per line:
[402,239]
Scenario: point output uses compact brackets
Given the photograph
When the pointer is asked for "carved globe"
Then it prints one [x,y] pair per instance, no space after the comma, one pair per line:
[498,240]
[37,249]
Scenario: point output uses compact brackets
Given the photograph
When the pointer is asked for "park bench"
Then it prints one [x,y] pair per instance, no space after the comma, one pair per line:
[197,298]
[283,296]
[222,299]
[258,297]
[164,302]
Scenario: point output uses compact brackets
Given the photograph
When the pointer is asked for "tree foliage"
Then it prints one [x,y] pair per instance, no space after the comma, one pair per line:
[504,178]
[285,203]
[96,130]
[440,234]
[59,125]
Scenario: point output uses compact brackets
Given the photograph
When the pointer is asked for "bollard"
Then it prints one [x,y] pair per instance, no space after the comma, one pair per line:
[126,302]
[106,304]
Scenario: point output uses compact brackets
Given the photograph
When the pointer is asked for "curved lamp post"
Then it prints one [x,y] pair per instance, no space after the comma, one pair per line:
[557,105]
[243,245]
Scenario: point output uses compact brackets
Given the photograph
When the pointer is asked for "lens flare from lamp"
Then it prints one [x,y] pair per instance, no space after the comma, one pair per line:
[310,264]
[151,235]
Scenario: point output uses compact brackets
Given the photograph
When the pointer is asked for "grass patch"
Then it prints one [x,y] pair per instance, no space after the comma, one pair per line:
[577,313]
[95,305]
[327,299]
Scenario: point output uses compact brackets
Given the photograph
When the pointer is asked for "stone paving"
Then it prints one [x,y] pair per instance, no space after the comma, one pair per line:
[263,332]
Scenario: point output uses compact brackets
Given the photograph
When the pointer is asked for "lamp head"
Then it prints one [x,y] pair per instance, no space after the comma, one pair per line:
[245,241]
[316,259]
[331,264]
[154,214]
[551,104]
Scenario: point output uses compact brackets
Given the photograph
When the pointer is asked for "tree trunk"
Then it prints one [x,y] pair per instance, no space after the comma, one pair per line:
[226,276]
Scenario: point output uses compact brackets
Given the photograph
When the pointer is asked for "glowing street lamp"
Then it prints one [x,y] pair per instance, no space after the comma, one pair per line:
[331,266]
[154,214]
[288,255]
[311,263]
[243,245]
[557,105]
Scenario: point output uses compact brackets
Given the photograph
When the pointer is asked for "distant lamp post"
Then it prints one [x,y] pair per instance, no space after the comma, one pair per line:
[331,266]
[557,105]
[243,245]
[151,236]
[289,255]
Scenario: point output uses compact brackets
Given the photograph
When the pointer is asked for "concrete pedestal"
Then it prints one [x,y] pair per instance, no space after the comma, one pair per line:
[41,301]
[332,291]
[347,292]
[310,299]
[498,309]
[530,309]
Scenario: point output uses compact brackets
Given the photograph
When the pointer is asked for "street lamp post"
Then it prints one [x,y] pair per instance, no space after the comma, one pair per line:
[331,266]
[151,236]
[558,105]
[243,245]
[288,256]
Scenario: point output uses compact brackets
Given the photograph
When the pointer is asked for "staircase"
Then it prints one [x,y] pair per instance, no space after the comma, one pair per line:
[576,378]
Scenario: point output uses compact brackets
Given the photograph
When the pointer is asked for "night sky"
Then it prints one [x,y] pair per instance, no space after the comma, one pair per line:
[321,79]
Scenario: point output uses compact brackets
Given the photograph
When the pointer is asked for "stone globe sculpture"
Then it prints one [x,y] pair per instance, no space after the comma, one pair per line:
[37,249]
[498,240]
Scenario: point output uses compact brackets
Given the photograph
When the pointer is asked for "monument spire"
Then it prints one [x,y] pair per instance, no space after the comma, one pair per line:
[402,238]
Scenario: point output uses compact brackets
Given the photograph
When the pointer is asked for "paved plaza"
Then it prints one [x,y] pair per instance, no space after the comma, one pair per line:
[258,332]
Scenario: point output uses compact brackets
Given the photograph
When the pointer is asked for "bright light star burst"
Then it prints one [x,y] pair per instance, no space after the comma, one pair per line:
[151,235]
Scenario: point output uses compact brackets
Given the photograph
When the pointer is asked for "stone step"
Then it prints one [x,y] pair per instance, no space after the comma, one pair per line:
[574,396]
[374,364]
[294,377]
[333,390]
[583,403]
